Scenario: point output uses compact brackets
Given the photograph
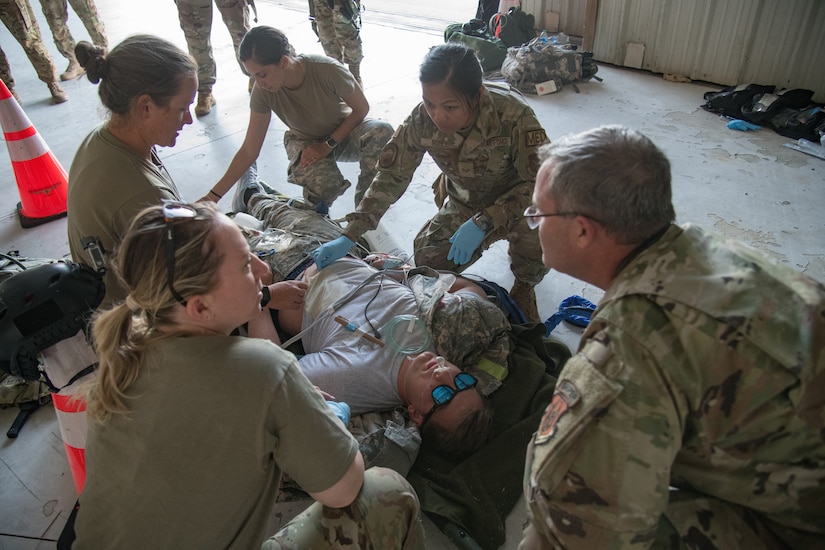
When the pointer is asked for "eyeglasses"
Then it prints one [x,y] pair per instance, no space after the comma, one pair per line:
[175,212]
[443,394]
[532,215]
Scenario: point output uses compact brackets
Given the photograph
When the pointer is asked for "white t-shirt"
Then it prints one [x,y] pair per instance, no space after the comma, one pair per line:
[346,365]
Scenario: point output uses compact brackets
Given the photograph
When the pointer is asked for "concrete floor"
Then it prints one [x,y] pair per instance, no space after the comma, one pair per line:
[744,185]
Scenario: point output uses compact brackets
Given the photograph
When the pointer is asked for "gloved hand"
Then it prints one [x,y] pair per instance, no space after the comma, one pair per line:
[742,125]
[331,251]
[465,241]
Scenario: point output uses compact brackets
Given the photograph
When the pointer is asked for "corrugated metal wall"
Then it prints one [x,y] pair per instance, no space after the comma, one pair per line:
[779,42]
[571,13]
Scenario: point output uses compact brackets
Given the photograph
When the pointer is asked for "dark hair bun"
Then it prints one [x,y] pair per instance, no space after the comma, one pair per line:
[93,59]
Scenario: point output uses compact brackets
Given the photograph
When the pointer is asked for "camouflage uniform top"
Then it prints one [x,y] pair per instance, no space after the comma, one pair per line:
[492,168]
[702,369]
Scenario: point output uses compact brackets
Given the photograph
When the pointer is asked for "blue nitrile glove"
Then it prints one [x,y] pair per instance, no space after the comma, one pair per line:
[742,125]
[465,241]
[341,410]
[331,251]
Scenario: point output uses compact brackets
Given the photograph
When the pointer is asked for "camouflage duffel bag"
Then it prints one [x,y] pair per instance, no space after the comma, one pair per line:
[541,61]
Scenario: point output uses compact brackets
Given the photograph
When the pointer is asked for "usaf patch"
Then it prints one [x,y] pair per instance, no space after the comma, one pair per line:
[533,165]
[388,154]
[534,138]
[565,397]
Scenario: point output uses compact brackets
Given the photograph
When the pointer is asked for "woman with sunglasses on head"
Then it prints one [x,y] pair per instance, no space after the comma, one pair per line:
[485,138]
[147,84]
[191,428]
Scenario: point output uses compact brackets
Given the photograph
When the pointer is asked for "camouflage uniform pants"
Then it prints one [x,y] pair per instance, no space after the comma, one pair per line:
[196,22]
[5,71]
[323,181]
[57,14]
[432,244]
[339,37]
[19,18]
[385,515]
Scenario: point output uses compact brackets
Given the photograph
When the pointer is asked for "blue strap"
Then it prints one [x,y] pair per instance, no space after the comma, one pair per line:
[514,313]
[573,309]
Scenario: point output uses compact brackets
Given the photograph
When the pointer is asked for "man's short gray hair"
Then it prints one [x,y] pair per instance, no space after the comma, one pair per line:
[614,175]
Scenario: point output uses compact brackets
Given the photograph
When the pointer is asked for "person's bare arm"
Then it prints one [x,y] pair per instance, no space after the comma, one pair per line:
[246,155]
[291,319]
[356,101]
[343,493]
[465,284]
[261,326]
[287,295]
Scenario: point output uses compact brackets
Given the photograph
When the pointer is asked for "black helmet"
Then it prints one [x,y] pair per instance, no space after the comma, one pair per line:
[41,306]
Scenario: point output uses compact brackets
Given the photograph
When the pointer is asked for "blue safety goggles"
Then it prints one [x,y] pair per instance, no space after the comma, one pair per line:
[443,394]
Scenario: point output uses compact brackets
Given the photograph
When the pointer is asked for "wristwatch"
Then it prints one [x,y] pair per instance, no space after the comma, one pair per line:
[331,143]
[483,222]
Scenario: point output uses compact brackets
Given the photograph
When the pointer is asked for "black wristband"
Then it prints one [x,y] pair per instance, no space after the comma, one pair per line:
[211,192]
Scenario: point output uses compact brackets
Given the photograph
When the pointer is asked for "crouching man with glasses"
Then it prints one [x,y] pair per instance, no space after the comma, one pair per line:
[693,413]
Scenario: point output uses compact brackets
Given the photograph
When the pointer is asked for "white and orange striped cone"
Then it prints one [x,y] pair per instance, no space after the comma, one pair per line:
[41,180]
[65,364]
[71,417]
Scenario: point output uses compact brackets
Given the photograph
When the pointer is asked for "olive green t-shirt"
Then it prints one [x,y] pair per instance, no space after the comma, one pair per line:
[109,184]
[213,422]
[317,107]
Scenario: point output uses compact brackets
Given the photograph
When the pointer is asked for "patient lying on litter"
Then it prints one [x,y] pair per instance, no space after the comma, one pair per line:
[428,342]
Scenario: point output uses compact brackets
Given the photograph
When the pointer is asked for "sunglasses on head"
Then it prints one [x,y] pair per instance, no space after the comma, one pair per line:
[173,212]
[443,394]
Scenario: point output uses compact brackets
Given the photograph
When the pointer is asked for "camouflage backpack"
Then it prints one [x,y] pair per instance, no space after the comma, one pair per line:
[540,61]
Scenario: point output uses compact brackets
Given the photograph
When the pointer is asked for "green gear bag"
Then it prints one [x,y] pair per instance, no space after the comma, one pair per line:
[15,390]
[490,51]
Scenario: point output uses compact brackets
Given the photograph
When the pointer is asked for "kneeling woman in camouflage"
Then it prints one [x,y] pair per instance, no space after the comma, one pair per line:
[324,109]
[191,427]
[484,138]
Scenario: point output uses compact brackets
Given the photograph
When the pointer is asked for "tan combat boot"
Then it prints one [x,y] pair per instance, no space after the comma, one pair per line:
[524,295]
[73,70]
[355,69]
[205,103]
[58,94]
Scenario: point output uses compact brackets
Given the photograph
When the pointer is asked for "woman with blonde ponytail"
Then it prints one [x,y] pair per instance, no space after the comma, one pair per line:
[191,427]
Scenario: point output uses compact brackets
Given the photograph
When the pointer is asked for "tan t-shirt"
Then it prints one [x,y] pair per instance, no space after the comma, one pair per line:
[317,107]
[214,421]
[108,185]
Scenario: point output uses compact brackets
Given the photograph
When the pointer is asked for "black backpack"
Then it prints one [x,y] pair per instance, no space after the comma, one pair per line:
[730,100]
[789,112]
[765,106]
[807,123]
[513,28]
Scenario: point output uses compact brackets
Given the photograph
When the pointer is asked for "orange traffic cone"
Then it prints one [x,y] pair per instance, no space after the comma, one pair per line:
[41,181]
